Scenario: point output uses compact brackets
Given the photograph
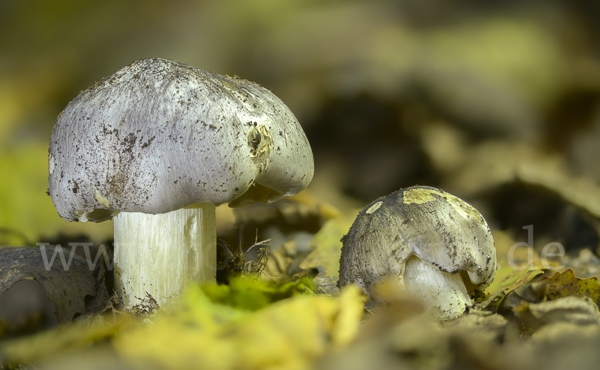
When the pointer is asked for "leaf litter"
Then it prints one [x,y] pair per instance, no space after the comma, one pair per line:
[441,110]
[66,288]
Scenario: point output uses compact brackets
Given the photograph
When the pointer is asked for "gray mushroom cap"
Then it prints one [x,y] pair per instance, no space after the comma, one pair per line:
[159,135]
[420,221]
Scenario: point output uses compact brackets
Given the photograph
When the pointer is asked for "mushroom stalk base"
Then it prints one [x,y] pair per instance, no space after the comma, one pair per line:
[160,254]
[435,288]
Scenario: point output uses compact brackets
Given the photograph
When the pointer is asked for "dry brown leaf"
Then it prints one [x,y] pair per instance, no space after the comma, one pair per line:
[66,288]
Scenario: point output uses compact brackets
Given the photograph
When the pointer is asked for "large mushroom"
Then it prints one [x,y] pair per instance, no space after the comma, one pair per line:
[436,246]
[156,146]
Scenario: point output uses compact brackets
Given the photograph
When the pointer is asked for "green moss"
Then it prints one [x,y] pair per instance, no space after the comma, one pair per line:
[251,294]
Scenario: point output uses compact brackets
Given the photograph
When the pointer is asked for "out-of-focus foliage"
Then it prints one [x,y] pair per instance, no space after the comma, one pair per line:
[218,331]
[208,335]
[27,215]
[55,344]
[372,82]
[23,207]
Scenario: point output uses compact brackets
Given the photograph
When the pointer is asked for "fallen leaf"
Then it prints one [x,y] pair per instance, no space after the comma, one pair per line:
[533,303]
[566,284]
[516,267]
[507,278]
[54,343]
[573,310]
[199,333]
[327,249]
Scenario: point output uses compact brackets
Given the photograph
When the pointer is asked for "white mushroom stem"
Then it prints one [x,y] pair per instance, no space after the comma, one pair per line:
[160,254]
[436,288]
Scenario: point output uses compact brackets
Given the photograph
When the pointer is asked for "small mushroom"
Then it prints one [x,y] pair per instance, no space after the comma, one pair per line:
[157,145]
[436,246]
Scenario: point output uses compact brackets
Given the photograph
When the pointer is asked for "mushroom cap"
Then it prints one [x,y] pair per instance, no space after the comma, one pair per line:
[159,135]
[420,221]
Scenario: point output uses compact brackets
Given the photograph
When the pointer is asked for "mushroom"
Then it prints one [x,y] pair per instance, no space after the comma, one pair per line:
[156,146]
[433,244]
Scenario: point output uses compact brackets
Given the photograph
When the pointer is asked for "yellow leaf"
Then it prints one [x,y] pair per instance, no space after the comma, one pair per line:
[289,334]
[567,284]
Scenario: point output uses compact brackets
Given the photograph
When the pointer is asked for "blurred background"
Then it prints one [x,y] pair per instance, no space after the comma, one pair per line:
[497,102]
